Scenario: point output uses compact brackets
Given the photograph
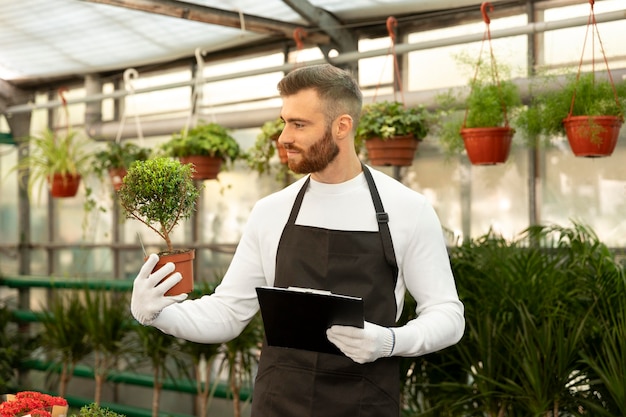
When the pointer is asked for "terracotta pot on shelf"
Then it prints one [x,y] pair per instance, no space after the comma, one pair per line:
[397,151]
[183,262]
[206,167]
[64,185]
[592,136]
[487,145]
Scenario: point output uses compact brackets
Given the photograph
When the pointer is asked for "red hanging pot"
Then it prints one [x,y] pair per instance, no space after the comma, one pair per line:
[183,262]
[487,145]
[64,185]
[396,151]
[117,177]
[206,167]
[592,136]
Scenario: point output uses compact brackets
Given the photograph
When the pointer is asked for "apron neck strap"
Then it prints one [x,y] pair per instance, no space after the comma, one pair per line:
[383,223]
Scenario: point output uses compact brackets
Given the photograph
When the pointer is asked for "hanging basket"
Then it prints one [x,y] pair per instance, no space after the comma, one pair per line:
[183,262]
[592,136]
[487,145]
[64,185]
[206,167]
[398,151]
[117,177]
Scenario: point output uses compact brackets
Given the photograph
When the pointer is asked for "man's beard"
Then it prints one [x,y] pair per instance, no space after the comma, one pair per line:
[317,157]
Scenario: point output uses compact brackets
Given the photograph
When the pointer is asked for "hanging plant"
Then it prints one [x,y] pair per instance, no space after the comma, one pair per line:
[485,130]
[587,108]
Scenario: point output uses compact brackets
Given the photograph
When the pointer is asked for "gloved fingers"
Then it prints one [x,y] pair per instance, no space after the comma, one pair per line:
[160,274]
[344,336]
[168,282]
[177,298]
[148,266]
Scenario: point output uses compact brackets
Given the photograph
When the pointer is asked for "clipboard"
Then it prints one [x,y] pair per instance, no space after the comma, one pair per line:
[297,318]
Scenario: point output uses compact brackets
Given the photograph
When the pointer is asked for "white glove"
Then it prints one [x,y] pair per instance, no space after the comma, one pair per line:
[363,345]
[148,299]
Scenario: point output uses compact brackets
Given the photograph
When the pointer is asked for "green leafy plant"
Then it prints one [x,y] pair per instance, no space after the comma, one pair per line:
[94,410]
[593,96]
[259,156]
[54,153]
[107,324]
[387,119]
[64,335]
[159,192]
[482,107]
[118,155]
[210,139]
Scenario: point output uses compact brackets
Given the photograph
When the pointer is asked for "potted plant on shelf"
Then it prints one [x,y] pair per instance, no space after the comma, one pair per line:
[116,158]
[160,192]
[391,132]
[60,160]
[208,146]
[587,109]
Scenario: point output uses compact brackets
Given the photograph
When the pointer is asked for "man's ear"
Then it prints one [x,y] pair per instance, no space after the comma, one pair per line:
[343,126]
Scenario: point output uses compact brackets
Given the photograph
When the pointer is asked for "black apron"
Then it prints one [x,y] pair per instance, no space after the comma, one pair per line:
[299,383]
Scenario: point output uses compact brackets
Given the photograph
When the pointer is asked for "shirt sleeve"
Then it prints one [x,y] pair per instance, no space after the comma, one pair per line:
[428,277]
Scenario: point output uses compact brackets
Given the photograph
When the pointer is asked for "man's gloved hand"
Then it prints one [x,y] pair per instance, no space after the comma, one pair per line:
[148,297]
[363,345]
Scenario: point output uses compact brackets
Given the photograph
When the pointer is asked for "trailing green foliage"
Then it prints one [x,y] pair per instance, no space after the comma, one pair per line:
[119,155]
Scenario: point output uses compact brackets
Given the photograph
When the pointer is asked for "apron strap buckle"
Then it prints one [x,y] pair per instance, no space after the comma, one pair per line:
[382,217]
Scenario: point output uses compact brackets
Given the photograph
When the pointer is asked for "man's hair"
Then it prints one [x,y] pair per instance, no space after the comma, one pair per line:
[338,90]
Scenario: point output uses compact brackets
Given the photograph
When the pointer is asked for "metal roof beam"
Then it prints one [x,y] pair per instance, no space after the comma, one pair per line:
[215,16]
[343,39]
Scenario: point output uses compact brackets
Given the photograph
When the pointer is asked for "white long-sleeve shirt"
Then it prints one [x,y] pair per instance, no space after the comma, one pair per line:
[421,254]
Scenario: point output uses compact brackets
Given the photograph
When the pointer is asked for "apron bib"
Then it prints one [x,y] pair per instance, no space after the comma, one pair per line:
[300,383]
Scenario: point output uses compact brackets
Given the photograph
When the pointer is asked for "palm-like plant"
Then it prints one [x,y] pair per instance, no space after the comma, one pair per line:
[64,335]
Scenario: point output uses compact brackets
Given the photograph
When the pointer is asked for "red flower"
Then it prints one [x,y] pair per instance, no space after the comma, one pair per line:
[30,402]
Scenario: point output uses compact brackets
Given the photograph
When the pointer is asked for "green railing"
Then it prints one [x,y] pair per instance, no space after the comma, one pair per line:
[219,390]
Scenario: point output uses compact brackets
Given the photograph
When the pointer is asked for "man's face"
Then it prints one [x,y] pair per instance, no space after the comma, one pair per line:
[307,137]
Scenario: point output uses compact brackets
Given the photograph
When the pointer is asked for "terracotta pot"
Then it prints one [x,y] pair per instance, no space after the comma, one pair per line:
[487,145]
[592,136]
[64,185]
[397,151]
[117,176]
[207,167]
[183,262]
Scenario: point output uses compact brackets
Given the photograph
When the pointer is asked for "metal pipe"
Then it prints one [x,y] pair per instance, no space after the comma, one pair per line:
[340,59]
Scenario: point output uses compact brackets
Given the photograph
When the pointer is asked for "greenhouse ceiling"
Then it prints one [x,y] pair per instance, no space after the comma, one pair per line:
[46,40]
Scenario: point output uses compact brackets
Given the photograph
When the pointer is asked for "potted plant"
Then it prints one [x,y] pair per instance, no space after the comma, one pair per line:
[160,192]
[95,410]
[266,146]
[116,158]
[585,108]
[60,160]
[391,132]
[483,131]
[207,146]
